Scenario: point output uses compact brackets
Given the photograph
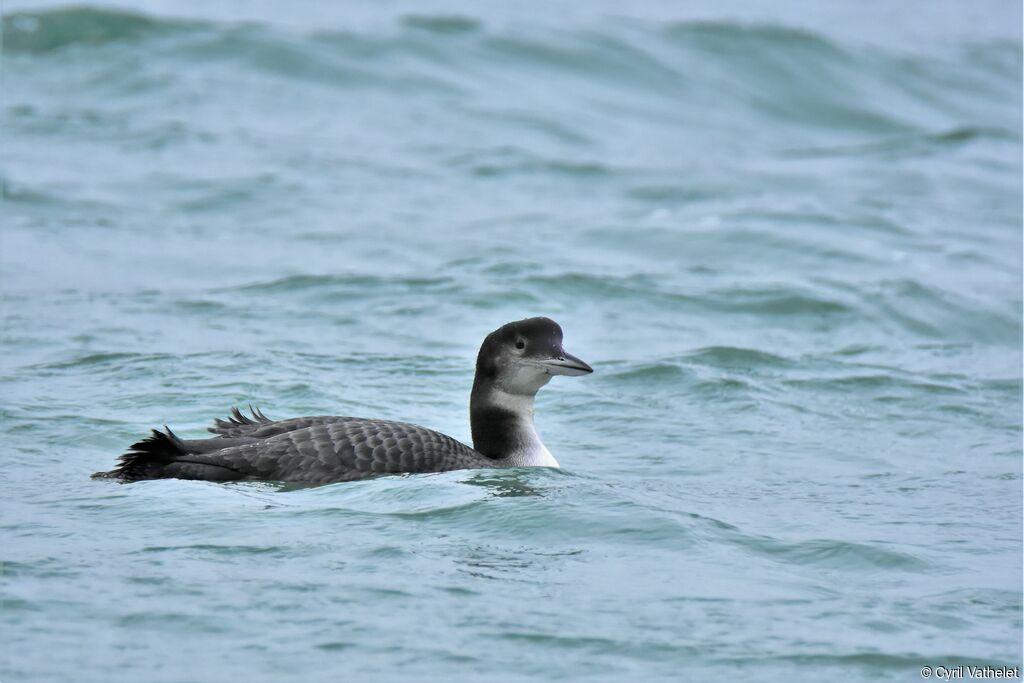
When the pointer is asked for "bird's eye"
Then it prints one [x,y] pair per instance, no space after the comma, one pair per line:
[520,344]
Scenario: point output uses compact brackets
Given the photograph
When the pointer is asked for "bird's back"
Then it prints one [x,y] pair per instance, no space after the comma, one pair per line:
[315,450]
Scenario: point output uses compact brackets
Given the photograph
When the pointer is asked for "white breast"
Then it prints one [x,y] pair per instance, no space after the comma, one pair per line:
[533,453]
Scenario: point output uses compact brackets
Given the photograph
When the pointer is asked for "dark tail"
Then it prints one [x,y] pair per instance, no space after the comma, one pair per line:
[147,459]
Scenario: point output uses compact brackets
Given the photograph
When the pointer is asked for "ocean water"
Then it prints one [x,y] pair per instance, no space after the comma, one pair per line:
[788,239]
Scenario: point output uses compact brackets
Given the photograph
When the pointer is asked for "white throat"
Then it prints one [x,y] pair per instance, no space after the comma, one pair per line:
[529,451]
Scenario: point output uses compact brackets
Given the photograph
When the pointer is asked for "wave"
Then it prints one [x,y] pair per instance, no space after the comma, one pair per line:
[733,357]
[679,69]
[913,143]
[53,30]
[329,285]
[835,554]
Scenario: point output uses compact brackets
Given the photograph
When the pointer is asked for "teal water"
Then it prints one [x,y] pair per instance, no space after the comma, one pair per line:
[787,239]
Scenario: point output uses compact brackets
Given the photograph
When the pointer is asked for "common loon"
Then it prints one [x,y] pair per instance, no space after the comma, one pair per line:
[514,362]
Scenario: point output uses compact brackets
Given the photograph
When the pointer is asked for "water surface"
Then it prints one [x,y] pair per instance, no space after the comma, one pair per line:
[788,240]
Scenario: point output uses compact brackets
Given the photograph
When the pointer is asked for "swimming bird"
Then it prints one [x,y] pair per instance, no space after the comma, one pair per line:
[514,362]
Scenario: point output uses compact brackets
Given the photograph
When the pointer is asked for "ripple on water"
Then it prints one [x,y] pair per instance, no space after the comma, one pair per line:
[834,554]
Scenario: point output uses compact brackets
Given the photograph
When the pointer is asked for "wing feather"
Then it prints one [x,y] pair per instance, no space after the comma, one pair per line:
[326,449]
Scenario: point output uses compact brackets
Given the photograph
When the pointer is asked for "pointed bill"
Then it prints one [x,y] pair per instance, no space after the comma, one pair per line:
[566,364]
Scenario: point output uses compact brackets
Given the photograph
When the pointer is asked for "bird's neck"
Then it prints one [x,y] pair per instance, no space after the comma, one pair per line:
[502,426]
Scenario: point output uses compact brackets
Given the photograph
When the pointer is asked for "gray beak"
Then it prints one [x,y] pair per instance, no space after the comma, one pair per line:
[566,364]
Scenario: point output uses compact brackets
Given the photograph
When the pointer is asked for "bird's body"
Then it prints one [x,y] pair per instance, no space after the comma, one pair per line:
[514,362]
